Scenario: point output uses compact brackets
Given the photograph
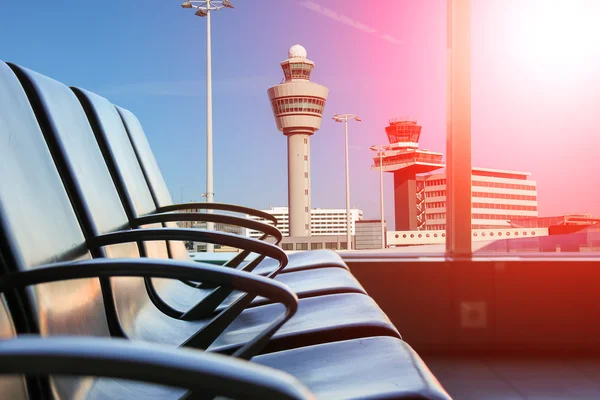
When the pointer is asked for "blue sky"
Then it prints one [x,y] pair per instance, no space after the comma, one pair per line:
[379,62]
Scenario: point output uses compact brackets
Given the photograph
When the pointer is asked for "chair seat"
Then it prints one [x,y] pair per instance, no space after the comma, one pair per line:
[304,260]
[310,283]
[318,320]
[106,389]
[371,368]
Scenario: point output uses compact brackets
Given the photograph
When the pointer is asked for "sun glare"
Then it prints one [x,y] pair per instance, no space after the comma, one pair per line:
[557,38]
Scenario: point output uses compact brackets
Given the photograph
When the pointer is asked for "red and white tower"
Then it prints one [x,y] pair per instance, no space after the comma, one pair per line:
[298,107]
[404,159]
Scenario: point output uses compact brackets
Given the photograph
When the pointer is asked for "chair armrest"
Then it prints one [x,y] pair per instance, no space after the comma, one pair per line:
[219,206]
[197,235]
[253,285]
[218,218]
[209,304]
[201,373]
[236,262]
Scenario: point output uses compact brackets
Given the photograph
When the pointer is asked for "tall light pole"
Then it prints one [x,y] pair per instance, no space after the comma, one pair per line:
[379,149]
[204,9]
[344,118]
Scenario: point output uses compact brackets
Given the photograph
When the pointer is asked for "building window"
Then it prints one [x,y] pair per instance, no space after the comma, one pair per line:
[306,209]
[305,226]
[331,245]
[287,246]
[306,192]
[305,158]
[305,141]
[343,245]
[316,246]
[301,246]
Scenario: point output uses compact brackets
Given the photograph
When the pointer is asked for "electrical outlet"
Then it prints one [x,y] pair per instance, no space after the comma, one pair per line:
[473,314]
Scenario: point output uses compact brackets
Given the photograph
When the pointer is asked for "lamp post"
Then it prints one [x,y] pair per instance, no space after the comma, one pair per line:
[379,149]
[344,118]
[204,9]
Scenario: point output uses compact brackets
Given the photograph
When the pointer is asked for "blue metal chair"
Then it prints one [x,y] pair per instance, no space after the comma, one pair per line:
[162,305]
[53,280]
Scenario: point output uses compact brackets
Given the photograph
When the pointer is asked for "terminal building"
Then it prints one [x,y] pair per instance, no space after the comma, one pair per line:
[497,198]
[324,221]
[219,227]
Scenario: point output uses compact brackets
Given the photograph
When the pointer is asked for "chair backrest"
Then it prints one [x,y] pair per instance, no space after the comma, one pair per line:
[123,164]
[118,153]
[78,159]
[156,182]
[121,161]
[93,193]
[38,225]
[149,167]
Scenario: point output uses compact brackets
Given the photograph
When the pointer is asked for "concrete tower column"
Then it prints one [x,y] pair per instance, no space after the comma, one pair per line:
[405,201]
[299,183]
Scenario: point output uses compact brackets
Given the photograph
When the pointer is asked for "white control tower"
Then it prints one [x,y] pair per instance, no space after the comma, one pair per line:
[298,107]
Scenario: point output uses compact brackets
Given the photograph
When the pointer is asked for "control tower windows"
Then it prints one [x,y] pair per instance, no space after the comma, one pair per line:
[297,70]
[405,131]
[298,105]
[301,70]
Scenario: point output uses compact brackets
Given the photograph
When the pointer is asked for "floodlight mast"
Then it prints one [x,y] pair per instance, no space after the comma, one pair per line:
[344,118]
[207,5]
[204,9]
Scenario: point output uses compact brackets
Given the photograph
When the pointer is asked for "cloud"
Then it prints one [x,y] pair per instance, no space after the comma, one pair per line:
[391,39]
[312,6]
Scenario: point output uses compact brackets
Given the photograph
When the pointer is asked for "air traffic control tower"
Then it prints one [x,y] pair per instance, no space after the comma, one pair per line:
[298,107]
[403,158]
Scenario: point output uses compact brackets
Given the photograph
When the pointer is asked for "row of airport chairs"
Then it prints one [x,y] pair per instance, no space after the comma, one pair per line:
[100,299]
